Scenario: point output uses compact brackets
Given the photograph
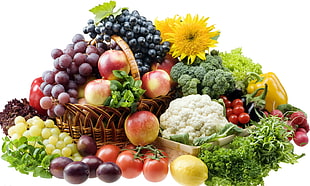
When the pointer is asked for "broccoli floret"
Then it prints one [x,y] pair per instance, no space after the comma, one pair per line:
[215,54]
[188,84]
[184,79]
[217,82]
[212,63]
[178,70]
[203,77]
[197,72]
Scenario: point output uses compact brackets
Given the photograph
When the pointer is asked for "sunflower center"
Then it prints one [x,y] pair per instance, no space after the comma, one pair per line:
[191,36]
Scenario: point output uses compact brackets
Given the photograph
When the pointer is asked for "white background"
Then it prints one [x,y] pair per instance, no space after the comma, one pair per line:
[272,33]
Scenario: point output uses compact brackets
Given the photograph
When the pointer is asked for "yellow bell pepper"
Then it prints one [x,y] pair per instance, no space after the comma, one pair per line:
[276,94]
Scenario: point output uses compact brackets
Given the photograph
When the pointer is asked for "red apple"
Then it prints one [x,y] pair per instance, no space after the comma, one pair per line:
[166,64]
[97,91]
[156,83]
[141,127]
[112,60]
[81,88]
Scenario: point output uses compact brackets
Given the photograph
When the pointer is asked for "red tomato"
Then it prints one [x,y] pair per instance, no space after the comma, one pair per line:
[229,111]
[233,118]
[237,102]
[131,167]
[150,155]
[165,154]
[238,109]
[108,153]
[227,103]
[224,98]
[155,170]
[130,146]
[244,118]
[36,94]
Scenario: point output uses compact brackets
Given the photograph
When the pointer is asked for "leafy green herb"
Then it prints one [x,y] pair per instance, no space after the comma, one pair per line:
[181,138]
[239,65]
[228,129]
[270,140]
[232,166]
[104,10]
[27,158]
[289,109]
[247,160]
[125,91]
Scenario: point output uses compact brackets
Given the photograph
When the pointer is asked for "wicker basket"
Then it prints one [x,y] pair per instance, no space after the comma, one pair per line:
[106,124]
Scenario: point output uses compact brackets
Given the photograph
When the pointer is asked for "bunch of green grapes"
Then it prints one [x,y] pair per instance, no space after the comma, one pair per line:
[55,141]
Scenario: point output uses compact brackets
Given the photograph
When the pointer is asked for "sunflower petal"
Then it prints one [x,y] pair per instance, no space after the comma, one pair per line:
[190,36]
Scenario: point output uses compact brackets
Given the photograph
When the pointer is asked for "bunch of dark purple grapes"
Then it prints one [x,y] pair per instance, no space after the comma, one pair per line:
[139,33]
[72,67]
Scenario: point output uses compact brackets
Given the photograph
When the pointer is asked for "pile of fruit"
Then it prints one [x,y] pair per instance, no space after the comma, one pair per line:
[128,57]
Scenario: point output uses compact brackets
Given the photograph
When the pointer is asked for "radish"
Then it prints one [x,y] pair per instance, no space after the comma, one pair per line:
[293,125]
[298,117]
[301,129]
[305,126]
[277,112]
[301,139]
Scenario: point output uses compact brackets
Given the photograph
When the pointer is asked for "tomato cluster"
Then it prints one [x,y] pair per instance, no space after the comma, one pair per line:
[133,161]
[235,111]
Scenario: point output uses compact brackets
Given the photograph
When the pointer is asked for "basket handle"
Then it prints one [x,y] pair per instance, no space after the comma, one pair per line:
[130,57]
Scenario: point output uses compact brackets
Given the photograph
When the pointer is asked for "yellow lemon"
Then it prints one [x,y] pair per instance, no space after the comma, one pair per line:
[189,170]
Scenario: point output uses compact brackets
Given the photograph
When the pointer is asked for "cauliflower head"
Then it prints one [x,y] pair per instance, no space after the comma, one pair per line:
[196,115]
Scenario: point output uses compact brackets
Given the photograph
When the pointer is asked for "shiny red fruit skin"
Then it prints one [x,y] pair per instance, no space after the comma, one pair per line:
[36,94]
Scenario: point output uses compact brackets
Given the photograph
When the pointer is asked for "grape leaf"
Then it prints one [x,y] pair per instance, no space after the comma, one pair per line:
[104,10]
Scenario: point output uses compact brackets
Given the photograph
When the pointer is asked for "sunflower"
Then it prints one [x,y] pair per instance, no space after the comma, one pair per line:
[190,37]
[165,26]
